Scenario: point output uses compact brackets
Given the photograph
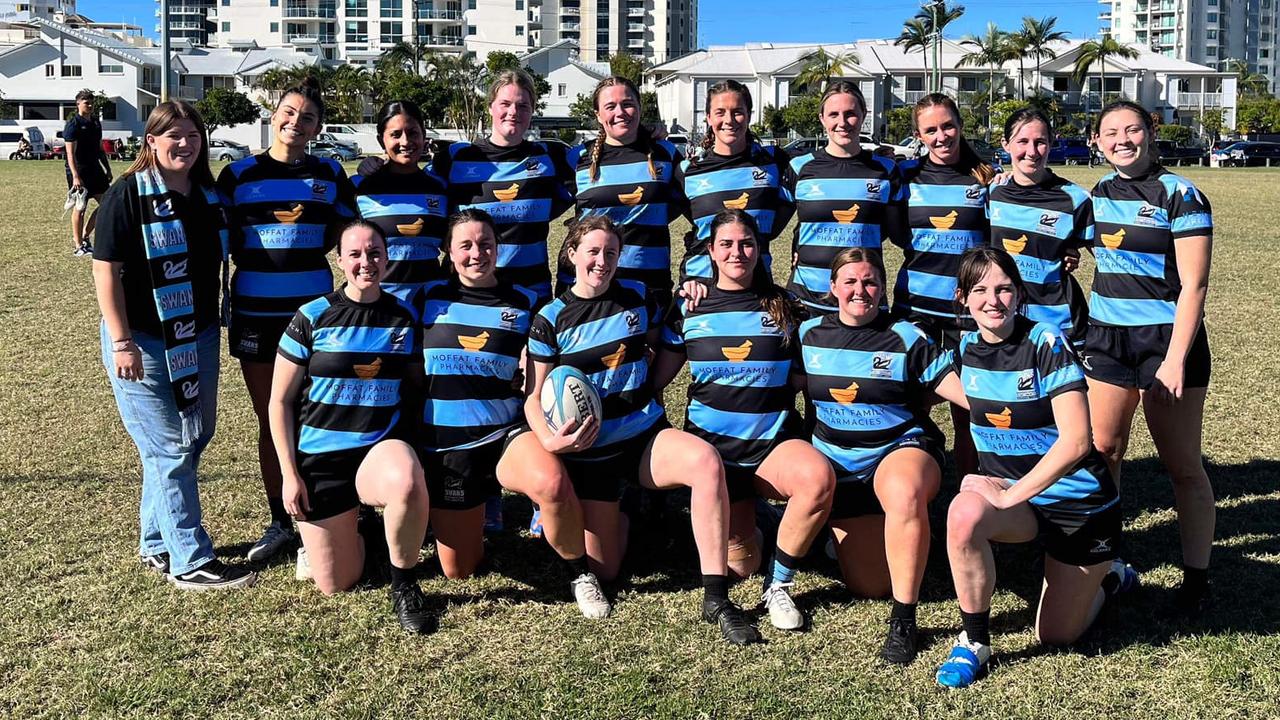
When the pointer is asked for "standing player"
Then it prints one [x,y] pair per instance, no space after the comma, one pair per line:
[406,203]
[521,184]
[845,197]
[1039,476]
[732,172]
[946,195]
[1146,338]
[88,171]
[339,413]
[869,379]
[283,203]
[1040,219]
[739,342]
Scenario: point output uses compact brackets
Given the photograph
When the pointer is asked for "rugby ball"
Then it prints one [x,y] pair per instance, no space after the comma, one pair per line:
[567,393]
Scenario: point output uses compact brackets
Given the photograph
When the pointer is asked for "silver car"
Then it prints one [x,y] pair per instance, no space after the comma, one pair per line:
[227,151]
[341,153]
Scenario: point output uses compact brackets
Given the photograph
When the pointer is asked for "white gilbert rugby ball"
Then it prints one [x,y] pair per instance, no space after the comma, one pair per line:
[567,393]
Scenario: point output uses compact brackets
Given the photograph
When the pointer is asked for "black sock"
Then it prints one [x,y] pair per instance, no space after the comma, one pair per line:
[903,611]
[403,577]
[278,513]
[715,588]
[578,566]
[977,626]
[1195,580]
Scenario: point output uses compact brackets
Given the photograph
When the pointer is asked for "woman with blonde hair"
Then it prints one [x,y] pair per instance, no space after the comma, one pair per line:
[161,247]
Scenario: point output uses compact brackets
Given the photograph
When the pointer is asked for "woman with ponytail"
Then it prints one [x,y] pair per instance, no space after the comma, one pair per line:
[627,176]
[732,171]
[739,342]
[161,248]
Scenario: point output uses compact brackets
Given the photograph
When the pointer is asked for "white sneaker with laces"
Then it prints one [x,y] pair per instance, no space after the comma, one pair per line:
[302,571]
[82,199]
[590,596]
[783,613]
[274,539]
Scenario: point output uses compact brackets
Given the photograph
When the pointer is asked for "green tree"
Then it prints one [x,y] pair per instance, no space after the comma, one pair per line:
[1257,114]
[1001,110]
[396,83]
[936,16]
[224,107]
[629,66]
[1249,82]
[1179,134]
[649,113]
[915,36]
[773,122]
[821,67]
[1098,52]
[992,49]
[7,111]
[897,124]
[100,102]
[278,79]
[1212,122]
[499,60]
[801,115]
[1035,37]
[584,112]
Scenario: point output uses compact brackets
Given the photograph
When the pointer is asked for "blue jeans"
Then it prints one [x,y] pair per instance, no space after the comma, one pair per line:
[170,507]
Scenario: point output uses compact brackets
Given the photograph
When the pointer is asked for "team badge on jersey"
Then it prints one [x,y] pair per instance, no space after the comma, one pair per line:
[1027,385]
[1049,223]
[881,366]
[769,325]
[508,317]
[760,177]
[1150,216]
[973,196]
[533,167]
[398,339]
[633,319]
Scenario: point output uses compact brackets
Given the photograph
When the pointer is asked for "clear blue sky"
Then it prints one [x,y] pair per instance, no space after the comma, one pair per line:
[727,22]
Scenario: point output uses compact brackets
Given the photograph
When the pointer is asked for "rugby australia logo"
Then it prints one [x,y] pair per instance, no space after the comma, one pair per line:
[1026,385]
[881,366]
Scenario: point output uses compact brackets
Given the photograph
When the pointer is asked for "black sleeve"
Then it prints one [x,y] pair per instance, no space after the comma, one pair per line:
[119,234]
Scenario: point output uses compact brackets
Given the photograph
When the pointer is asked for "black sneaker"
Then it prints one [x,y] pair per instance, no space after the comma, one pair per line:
[900,645]
[1191,604]
[410,607]
[158,562]
[215,575]
[733,622]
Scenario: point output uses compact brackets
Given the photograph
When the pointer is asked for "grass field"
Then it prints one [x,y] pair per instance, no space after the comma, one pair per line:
[85,632]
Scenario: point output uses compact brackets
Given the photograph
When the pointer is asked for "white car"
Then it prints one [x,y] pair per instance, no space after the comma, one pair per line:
[227,151]
[11,139]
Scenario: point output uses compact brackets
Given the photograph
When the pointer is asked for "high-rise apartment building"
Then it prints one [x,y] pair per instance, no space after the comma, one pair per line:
[360,30]
[1208,32]
[20,10]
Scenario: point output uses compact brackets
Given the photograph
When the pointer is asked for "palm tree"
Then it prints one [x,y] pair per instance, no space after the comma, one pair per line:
[936,17]
[992,49]
[1250,83]
[1036,36]
[1098,52]
[821,67]
[915,35]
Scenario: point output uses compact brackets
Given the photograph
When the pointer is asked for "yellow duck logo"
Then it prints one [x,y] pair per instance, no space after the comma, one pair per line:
[289,216]
[739,353]
[1002,419]
[615,358]
[845,396]
[845,217]
[508,194]
[738,203]
[944,222]
[411,229]
[473,342]
[1111,241]
[1016,245]
[633,197]
[368,372]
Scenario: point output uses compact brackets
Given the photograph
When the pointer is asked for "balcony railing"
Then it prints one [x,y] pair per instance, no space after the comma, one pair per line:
[570,11]
[304,11]
[635,12]
[635,43]
[572,26]
[1195,99]
[429,14]
[441,40]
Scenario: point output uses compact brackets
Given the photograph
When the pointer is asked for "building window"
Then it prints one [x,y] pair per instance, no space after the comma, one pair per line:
[275,27]
[1211,34]
[390,32]
[519,4]
[357,8]
[71,71]
[226,3]
[1264,54]
[1212,17]
[915,82]
[1213,3]
[471,30]
[391,8]
[110,69]
[1211,51]
[275,3]
[519,31]
[226,26]
[357,31]
[109,110]
[49,71]
[562,89]
[968,84]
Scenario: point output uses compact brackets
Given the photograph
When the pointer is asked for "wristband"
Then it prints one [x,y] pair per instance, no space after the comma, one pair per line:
[122,345]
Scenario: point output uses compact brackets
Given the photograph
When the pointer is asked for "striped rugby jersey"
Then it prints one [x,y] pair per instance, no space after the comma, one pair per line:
[641,204]
[868,386]
[840,203]
[1037,224]
[740,393]
[1011,386]
[282,221]
[604,337]
[357,356]
[523,187]
[946,215]
[410,209]
[757,180]
[472,338]
[1138,220]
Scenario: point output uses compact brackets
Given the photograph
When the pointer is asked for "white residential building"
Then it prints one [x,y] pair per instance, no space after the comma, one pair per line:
[23,10]
[569,77]
[891,78]
[657,30]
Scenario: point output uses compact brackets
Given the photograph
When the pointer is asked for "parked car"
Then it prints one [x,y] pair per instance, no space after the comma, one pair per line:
[23,144]
[802,146]
[227,150]
[335,140]
[909,148]
[1220,152]
[681,142]
[363,137]
[1172,153]
[1255,153]
[341,153]
[1064,151]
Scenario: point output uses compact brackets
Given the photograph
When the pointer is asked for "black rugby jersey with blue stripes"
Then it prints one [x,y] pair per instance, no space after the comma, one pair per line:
[946,215]
[356,356]
[757,180]
[840,203]
[868,386]
[524,188]
[739,394]
[1037,224]
[604,337]
[641,201]
[1011,386]
[472,338]
[1138,220]
[410,209]
[282,220]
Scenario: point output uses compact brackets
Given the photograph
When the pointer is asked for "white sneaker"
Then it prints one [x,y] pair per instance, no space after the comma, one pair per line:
[275,538]
[71,200]
[302,570]
[591,598]
[783,613]
[82,199]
